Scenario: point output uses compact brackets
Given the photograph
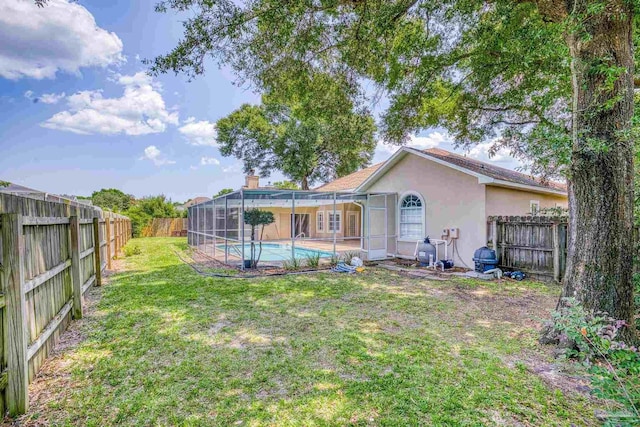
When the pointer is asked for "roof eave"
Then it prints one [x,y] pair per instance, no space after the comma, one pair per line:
[532,188]
[395,157]
[482,179]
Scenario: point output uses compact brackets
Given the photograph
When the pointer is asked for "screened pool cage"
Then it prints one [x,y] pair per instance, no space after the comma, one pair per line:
[306,224]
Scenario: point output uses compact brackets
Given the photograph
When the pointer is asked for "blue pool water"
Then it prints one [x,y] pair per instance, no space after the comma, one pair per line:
[275,252]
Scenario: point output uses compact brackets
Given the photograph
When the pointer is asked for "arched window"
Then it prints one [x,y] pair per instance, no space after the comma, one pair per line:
[411,217]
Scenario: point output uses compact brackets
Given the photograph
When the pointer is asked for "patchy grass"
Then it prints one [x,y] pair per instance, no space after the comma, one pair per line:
[165,346]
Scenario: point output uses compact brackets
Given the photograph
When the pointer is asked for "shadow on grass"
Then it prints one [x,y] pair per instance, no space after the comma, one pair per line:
[167,346]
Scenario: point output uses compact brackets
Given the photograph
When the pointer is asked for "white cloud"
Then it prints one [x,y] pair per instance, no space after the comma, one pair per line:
[62,36]
[205,161]
[199,133]
[28,94]
[139,111]
[432,140]
[152,153]
[233,168]
[51,98]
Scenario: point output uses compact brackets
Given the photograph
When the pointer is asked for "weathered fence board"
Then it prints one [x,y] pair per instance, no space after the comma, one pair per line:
[166,227]
[50,253]
[535,245]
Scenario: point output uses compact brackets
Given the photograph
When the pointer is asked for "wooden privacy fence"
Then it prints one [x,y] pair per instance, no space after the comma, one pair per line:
[51,253]
[534,245]
[166,227]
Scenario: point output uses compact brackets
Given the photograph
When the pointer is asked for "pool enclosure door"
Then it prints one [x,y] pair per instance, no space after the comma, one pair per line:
[377,226]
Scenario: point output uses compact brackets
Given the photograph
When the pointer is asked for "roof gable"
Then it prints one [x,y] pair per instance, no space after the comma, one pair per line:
[351,181]
[485,172]
[492,171]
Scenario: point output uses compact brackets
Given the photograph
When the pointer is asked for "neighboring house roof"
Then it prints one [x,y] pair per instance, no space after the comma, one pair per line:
[195,201]
[486,173]
[351,181]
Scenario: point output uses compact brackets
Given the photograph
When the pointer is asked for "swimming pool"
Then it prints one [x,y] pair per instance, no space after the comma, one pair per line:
[275,252]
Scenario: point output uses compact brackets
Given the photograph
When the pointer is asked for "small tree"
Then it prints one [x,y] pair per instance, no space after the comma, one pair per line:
[256,218]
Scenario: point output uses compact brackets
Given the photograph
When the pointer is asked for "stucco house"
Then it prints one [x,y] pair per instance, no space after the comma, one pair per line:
[383,210]
[438,190]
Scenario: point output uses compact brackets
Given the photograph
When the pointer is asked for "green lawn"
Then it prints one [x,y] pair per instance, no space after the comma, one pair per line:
[165,346]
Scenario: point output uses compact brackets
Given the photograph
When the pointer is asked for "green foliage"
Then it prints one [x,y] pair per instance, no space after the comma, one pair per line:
[256,218]
[313,260]
[142,211]
[112,199]
[223,192]
[4,184]
[334,260]
[614,365]
[292,264]
[555,211]
[286,185]
[131,249]
[480,72]
[307,149]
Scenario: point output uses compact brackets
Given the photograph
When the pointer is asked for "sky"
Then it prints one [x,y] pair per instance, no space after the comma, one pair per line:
[79,113]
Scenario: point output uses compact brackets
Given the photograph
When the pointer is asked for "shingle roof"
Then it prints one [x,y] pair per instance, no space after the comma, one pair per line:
[351,181]
[196,201]
[354,180]
[492,171]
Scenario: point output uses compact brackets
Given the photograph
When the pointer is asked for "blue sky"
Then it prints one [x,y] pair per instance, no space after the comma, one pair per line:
[80,114]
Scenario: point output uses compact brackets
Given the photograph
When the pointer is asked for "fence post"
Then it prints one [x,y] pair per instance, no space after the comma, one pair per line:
[15,316]
[494,235]
[74,226]
[118,237]
[96,251]
[556,251]
[108,229]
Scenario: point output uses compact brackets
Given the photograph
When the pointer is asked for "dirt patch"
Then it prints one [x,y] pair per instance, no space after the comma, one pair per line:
[554,374]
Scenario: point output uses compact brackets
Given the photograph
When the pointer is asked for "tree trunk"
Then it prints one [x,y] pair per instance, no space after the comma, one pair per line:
[600,260]
[304,184]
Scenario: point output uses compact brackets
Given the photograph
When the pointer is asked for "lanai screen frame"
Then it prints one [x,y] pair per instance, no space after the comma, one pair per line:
[209,222]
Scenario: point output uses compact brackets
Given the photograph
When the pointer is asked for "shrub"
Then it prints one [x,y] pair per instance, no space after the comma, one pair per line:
[614,365]
[348,256]
[333,261]
[313,260]
[291,264]
[131,249]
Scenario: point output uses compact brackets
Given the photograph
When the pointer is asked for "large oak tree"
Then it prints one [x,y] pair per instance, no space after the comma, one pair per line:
[550,79]
[306,148]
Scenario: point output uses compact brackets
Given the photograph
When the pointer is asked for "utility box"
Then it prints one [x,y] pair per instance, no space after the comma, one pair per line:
[445,232]
[453,233]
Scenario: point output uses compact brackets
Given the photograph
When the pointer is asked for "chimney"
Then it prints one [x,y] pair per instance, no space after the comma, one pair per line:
[252,181]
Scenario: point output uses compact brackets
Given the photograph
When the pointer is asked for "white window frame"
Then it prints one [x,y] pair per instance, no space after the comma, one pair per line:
[320,221]
[423,218]
[533,203]
[339,216]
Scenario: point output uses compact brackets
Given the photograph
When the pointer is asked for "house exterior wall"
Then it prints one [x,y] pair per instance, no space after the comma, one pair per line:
[451,198]
[281,228]
[507,201]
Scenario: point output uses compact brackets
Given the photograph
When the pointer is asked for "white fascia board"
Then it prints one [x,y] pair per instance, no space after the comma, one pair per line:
[532,188]
[408,150]
[395,157]
[482,179]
